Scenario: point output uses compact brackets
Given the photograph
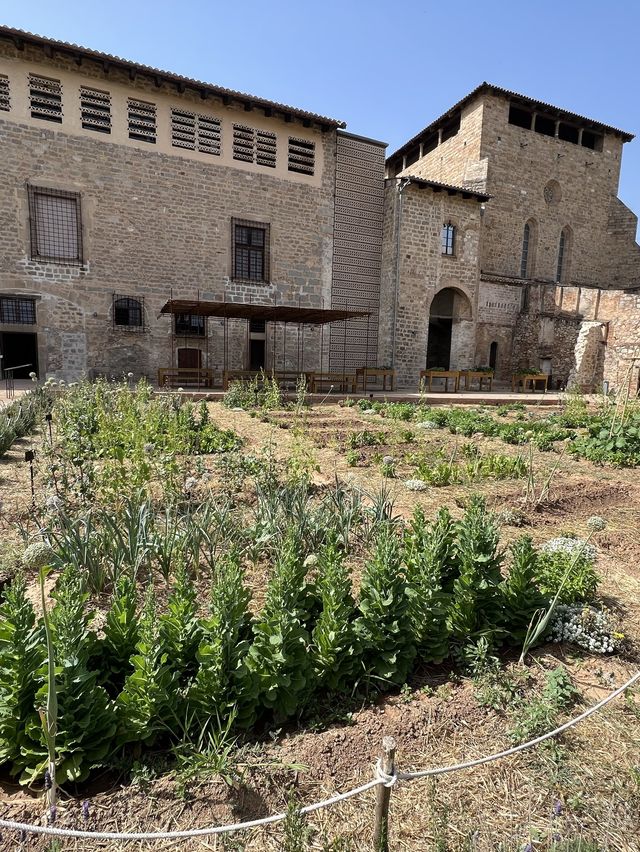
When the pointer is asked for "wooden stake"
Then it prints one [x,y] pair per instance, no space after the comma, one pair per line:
[383,796]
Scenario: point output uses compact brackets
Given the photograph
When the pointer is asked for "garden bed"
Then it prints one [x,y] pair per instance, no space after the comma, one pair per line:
[462,701]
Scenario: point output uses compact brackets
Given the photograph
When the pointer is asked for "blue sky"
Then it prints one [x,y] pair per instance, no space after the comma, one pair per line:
[386,69]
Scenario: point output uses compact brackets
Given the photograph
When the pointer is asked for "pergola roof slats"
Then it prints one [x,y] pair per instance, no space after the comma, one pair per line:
[268,313]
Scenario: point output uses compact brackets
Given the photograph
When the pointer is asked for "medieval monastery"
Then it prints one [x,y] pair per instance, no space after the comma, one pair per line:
[149,221]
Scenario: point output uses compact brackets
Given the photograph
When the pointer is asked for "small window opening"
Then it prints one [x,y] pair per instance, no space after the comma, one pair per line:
[545,125]
[520,117]
[190,325]
[448,239]
[128,312]
[493,355]
[450,128]
[568,133]
[17,310]
[524,259]
[592,140]
[430,143]
[413,156]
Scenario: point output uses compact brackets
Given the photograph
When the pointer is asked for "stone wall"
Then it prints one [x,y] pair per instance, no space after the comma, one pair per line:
[157,225]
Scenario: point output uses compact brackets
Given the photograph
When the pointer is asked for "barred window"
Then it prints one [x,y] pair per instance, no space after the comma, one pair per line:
[56,225]
[254,146]
[195,132]
[128,312]
[142,121]
[448,239]
[564,246]
[191,325]
[95,110]
[13,309]
[302,154]
[45,98]
[250,250]
[5,98]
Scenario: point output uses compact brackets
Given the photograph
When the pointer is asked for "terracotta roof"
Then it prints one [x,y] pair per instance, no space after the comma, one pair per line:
[269,313]
[449,187]
[21,37]
[489,88]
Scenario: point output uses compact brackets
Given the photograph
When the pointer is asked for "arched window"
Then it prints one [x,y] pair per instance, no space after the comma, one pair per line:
[493,354]
[448,239]
[564,246]
[128,312]
[527,258]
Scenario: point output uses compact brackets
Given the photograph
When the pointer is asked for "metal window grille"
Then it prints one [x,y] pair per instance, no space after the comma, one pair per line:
[142,121]
[128,313]
[561,252]
[524,259]
[5,97]
[17,310]
[190,325]
[196,132]
[95,110]
[45,97]
[55,223]
[254,146]
[302,155]
[448,237]
[250,250]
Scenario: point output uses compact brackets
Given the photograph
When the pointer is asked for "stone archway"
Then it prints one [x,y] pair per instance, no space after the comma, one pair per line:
[450,330]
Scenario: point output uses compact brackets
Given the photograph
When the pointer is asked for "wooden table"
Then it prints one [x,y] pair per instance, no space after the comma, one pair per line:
[476,375]
[441,374]
[342,381]
[363,374]
[529,378]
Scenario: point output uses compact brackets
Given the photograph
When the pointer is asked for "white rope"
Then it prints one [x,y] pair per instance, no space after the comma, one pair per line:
[441,770]
[381,777]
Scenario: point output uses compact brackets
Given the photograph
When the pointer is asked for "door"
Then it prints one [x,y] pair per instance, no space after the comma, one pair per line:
[19,350]
[189,357]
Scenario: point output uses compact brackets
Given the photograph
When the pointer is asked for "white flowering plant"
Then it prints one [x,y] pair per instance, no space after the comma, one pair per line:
[567,564]
[587,627]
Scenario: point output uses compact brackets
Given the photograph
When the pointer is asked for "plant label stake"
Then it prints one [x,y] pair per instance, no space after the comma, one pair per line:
[29,457]
[383,796]
[49,417]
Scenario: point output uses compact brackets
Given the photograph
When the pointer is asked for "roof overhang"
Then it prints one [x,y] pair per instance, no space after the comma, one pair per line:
[268,313]
[450,189]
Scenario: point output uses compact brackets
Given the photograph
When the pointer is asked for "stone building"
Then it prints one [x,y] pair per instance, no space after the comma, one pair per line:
[123,188]
[150,221]
[543,236]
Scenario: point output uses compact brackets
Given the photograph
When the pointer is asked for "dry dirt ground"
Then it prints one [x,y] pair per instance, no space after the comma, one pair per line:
[591,779]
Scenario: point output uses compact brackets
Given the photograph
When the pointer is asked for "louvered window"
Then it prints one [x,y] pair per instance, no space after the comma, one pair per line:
[302,156]
[95,110]
[5,100]
[55,225]
[45,96]
[195,132]
[254,146]
[142,121]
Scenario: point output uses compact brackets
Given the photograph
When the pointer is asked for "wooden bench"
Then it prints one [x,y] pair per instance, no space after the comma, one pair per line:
[441,374]
[283,377]
[345,382]
[173,377]
[480,376]
[523,379]
[363,374]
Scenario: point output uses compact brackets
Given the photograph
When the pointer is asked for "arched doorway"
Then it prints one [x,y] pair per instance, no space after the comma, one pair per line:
[450,308]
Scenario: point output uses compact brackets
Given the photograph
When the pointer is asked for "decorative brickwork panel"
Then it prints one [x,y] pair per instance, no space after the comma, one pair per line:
[195,132]
[45,98]
[254,146]
[302,155]
[5,97]
[95,110]
[142,121]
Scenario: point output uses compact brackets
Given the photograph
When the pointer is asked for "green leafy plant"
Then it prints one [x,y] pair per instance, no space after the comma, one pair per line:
[521,596]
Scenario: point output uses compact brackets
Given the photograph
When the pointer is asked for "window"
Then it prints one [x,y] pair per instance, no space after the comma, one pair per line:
[55,225]
[250,250]
[142,121]
[95,110]
[302,154]
[195,132]
[527,258]
[191,325]
[128,312]
[16,310]
[450,128]
[45,98]
[448,239]
[5,99]
[562,267]
[254,146]
[520,117]
[493,354]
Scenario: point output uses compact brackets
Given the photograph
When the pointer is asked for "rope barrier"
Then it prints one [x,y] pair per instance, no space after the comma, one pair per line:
[381,778]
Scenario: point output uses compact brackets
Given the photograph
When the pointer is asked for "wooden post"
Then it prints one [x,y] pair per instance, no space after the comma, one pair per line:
[383,795]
